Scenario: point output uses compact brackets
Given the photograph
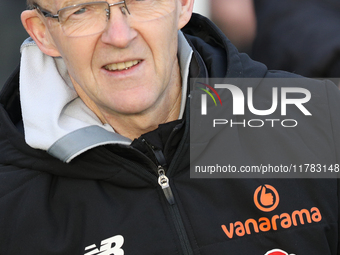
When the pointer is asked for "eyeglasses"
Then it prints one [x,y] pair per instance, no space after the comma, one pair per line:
[92,17]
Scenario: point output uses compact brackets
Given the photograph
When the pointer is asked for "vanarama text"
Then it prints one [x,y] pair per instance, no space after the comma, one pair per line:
[265,224]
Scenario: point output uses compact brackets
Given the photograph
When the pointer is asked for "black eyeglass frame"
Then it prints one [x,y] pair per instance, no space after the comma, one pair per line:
[48,14]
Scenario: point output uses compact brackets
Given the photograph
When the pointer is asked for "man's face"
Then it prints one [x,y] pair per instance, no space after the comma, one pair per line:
[131,67]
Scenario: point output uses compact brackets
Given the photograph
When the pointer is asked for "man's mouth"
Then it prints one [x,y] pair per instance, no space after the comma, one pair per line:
[122,66]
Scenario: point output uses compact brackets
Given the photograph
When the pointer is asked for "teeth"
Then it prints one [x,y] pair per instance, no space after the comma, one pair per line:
[128,64]
[113,67]
[122,65]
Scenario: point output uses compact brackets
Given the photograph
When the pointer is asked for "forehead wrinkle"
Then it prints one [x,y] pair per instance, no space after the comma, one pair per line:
[59,4]
[74,2]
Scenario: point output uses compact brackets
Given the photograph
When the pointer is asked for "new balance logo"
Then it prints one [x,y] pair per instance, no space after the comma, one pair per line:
[110,246]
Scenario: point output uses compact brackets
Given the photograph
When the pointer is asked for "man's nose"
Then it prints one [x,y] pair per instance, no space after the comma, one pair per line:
[118,31]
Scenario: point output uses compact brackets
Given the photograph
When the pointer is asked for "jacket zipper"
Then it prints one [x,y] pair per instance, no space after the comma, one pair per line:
[164,182]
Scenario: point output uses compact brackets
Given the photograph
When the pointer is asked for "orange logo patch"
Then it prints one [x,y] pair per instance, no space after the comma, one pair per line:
[266,198]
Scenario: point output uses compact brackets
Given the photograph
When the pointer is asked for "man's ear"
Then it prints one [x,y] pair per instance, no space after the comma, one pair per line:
[37,29]
[185,12]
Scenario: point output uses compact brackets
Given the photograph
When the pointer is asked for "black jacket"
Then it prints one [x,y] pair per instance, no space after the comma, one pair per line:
[108,200]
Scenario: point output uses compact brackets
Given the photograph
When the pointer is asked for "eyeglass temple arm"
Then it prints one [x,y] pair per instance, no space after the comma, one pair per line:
[45,13]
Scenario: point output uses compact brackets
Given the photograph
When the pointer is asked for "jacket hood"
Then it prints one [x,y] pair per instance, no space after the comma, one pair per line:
[222,61]
[221,57]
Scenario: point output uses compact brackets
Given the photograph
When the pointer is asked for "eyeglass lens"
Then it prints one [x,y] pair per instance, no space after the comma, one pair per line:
[91,18]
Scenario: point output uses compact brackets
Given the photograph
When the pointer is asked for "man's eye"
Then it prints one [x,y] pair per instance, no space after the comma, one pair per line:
[80,11]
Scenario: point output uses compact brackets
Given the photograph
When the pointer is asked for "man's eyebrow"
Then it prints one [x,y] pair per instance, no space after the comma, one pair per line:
[74,2]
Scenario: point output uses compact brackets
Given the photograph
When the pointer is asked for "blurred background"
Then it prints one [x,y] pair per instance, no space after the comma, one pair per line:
[300,36]
[12,34]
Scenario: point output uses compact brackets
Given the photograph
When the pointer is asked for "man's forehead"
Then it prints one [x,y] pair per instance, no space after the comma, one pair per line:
[65,3]
[58,4]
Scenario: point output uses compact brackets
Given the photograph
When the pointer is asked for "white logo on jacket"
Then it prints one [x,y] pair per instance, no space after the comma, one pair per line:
[110,246]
